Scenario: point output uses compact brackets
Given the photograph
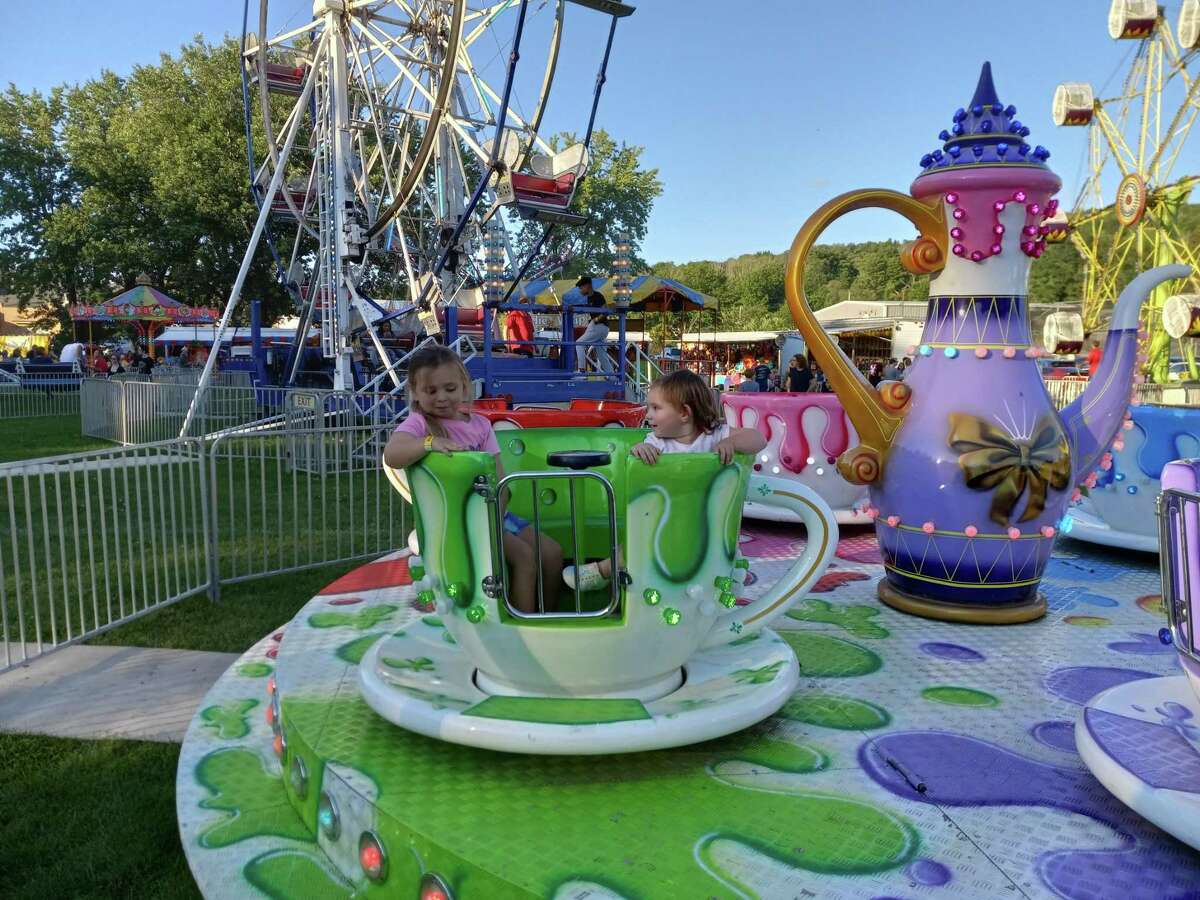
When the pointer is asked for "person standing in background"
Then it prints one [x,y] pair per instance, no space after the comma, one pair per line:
[1093,358]
[762,375]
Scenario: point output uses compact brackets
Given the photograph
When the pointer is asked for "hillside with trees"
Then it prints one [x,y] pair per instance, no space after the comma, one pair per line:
[750,286]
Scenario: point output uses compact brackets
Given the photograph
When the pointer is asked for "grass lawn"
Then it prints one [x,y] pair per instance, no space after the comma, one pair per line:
[245,613]
[48,436]
[90,819]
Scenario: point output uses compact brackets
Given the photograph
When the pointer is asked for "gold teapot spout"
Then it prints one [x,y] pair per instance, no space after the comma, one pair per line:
[876,414]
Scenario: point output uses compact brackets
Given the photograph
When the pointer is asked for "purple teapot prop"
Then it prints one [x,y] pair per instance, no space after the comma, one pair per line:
[969,466]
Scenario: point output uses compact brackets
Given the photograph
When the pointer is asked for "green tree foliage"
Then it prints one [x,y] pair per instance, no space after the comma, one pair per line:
[1058,276]
[120,176]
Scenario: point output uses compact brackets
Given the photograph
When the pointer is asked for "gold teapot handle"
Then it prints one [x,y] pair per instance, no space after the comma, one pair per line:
[876,414]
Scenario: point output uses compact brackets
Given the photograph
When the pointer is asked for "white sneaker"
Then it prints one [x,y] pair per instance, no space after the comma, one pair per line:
[588,577]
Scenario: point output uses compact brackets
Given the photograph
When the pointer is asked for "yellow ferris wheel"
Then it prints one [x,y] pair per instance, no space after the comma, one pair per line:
[1125,218]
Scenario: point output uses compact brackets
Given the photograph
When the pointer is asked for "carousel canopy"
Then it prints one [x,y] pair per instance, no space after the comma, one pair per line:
[144,304]
[650,293]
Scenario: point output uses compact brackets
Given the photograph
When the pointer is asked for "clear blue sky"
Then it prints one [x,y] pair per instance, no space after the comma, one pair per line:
[754,111]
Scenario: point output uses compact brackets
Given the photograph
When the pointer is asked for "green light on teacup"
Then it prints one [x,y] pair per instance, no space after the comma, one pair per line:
[457,593]
[417,572]
[723,582]
[672,616]
[652,596]
[426,596]
[476,614]
[727,599]
[741,563]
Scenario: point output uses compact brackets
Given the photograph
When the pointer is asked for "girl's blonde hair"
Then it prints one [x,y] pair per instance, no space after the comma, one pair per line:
[424,360]
[685,388]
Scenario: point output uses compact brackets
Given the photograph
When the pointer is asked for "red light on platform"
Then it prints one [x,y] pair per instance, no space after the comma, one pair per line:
[277,745]
[371,856]
[433,888]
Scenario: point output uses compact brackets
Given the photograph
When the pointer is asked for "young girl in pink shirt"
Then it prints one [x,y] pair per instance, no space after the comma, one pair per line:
[440,420]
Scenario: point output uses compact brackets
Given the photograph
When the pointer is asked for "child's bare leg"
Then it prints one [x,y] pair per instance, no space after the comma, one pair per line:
[606,566]
[522,577]
[552,567]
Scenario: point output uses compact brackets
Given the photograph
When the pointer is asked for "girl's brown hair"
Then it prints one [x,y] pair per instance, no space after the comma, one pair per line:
[685,388]
[424,360]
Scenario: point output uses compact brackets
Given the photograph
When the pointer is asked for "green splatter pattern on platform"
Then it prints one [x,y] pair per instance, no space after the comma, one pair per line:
[558,711]
[959,696]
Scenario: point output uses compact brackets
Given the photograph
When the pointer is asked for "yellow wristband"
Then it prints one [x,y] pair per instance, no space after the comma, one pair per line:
[428,442]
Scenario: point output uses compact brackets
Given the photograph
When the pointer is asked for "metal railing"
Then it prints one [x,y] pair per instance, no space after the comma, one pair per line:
[92,541]
[137,412]
[1063,391]
[1179,543]
[38,394]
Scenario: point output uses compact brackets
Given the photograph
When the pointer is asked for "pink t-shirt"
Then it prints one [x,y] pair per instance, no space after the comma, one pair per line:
[474,434]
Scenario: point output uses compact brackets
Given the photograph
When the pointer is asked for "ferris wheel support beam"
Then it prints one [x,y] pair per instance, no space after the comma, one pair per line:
[485,177]
[340,175]
[260,224]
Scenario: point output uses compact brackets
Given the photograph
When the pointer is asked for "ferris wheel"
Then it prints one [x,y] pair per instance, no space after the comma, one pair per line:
[1125,218]
[398,142]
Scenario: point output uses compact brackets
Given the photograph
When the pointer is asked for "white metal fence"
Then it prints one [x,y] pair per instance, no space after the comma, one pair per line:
[138,412]
[1063,391]
[38,394]
[91,541]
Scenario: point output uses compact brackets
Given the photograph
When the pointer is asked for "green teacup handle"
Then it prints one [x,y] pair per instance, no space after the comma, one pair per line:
[822,530]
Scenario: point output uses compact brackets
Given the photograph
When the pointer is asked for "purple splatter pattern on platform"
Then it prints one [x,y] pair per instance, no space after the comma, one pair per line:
[958,770]
[1142,644]
[952,651]
[1056,735]
[1079,684]
[928,872]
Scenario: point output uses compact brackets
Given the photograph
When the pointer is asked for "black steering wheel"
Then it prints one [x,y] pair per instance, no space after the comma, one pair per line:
[579,459]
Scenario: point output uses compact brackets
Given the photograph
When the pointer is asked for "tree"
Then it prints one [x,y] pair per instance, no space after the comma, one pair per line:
[115,177]
[1058,276]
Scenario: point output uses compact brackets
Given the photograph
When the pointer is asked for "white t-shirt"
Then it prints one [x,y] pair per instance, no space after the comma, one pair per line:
[71,353]
[705,443]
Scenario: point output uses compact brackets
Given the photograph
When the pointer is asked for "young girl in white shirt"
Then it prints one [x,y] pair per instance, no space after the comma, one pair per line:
[684,417]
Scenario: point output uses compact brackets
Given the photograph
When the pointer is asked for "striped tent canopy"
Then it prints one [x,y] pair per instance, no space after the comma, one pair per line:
[650,293]
[144,304]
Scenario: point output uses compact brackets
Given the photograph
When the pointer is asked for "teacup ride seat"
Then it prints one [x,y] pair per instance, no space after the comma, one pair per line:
[1141,739]
[662,657]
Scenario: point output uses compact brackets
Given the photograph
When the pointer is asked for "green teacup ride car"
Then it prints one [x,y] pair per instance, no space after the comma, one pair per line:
[666,655]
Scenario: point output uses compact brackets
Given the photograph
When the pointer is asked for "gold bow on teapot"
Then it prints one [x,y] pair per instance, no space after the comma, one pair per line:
[991,460]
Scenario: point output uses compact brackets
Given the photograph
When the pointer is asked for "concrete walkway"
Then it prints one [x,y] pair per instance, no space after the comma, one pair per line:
[109,692]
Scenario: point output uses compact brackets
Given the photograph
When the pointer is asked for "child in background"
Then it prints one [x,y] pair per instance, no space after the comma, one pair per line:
[684,418]
[439,391]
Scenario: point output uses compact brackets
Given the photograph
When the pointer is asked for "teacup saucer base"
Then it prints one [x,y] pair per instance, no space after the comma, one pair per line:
[1087,526]
[847,516]
[421,681]
[1142,741]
